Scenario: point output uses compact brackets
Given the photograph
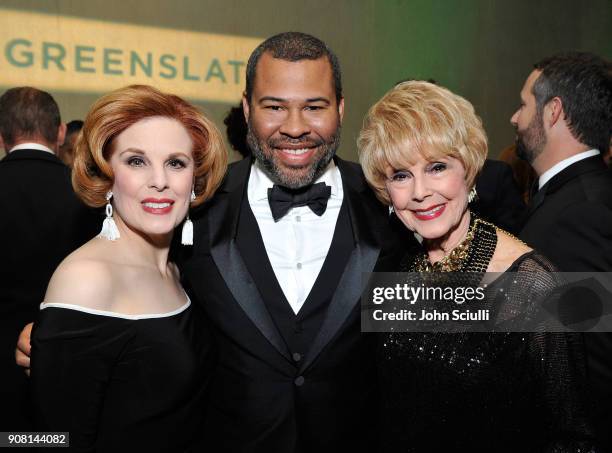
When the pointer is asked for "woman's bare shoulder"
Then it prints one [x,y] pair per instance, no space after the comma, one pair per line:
[507,251]
[84,278]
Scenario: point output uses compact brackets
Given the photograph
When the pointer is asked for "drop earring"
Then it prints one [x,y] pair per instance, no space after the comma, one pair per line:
[472,195]
[109,227]
[187,231]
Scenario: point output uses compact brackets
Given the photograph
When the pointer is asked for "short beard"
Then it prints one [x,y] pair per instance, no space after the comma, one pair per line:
[288,178]
[530,143]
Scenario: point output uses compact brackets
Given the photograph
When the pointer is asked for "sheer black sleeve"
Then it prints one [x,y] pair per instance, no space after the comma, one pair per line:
[557,361]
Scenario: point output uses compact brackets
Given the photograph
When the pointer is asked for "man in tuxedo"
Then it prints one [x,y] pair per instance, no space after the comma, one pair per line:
[277,264]
[562,126]
[42,221]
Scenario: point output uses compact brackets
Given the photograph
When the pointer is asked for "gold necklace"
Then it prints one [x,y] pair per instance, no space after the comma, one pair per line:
[472,254]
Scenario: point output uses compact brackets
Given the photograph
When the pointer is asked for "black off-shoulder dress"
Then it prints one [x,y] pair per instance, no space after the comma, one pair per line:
[121,383]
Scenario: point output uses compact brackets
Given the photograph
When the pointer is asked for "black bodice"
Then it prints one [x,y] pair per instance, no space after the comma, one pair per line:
[120,384]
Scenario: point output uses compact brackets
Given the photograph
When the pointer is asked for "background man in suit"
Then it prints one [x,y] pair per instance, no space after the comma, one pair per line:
[42,221]
[564,121]
[277,263]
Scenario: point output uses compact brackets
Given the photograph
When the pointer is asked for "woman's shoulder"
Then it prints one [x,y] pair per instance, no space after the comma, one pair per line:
[82,279]
[508,251]
[516,256]
[535,274]
[533,261]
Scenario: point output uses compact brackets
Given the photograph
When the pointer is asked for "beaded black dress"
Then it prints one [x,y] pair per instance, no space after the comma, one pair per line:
[494,392]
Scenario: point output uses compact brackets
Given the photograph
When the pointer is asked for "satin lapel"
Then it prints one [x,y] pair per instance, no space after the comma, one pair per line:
[223,221]
[363,258]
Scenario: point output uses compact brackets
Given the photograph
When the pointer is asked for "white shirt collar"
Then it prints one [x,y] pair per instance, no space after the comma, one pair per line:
[560,166]
[259,181]
[37,146]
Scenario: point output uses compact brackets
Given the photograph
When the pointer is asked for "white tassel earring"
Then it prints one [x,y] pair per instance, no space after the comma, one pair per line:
[391,210]
[472,195]
[109,227]
[187,232]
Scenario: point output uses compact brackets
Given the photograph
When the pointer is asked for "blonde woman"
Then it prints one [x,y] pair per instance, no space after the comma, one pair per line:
[421,148]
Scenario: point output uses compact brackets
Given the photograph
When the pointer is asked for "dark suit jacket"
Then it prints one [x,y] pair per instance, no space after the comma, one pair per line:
[261,398]
[499,199]
[572,225]
[42,221]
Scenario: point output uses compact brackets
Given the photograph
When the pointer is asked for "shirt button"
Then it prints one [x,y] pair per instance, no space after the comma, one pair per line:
[298,218]
[299,265]
[299,381]
[297,356]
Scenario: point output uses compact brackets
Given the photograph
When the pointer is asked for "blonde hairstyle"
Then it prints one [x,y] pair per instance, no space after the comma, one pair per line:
[419,118]
[92,175]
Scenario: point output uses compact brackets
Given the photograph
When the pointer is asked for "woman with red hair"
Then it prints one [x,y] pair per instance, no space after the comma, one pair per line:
[120,357]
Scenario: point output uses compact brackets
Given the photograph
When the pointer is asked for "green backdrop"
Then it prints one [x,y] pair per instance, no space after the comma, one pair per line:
[481,49]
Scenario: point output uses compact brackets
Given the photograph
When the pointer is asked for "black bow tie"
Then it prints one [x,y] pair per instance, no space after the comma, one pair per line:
[282,199]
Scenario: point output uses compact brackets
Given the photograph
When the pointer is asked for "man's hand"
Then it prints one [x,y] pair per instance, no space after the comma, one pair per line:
[22,353]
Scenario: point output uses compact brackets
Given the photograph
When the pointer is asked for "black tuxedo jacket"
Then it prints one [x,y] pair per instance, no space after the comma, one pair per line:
[571,223]
[42,221]
[262,397]
[499,199]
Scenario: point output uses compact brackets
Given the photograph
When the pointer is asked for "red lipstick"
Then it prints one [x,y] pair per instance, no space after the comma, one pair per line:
[159,206]
[430,213]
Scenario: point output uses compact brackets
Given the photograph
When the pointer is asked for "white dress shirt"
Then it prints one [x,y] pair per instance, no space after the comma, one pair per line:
[560,166]
[37,146]
[298,243]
